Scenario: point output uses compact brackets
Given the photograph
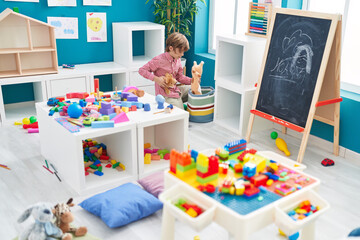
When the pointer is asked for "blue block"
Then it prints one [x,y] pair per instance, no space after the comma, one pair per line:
[112,115]
[194,154]
[274,177]
[98,173]
[103,146]
[102,124]
[147,107]
[138,105]
[126,104]
[82,103]
[97,162]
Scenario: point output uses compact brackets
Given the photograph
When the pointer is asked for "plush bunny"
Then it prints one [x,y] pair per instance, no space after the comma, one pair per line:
[196,72]
[43,228]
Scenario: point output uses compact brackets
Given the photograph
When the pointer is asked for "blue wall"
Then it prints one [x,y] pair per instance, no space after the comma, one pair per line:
[78,51]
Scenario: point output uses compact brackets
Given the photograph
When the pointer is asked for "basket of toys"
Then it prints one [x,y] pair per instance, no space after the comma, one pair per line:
[201,107]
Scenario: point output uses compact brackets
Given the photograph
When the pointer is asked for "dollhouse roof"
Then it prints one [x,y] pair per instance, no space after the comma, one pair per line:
[7,12]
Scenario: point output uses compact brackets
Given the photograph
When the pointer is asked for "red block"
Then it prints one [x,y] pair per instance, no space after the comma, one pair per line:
[259,180]
[251,191]
[103,157]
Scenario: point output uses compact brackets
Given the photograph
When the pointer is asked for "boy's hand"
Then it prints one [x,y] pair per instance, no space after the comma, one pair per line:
[160,81]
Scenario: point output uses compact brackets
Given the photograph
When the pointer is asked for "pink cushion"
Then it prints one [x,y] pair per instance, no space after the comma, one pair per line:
[153,183]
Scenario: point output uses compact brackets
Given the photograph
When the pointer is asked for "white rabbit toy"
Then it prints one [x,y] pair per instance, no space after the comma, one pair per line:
[43,228]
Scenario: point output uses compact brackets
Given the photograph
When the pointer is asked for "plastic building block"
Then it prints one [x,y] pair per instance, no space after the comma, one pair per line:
[102,124]
[327,162]
[147,107]
[122,117]
[147,158]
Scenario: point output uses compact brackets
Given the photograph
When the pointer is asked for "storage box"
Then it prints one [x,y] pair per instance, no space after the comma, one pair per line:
[172,195]
[201,107]
[286,223]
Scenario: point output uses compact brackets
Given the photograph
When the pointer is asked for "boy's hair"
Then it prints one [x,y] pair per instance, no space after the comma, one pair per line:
[177,40]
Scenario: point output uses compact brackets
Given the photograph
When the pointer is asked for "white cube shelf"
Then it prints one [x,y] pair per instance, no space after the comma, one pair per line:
[238,60]
[232,110]
[135,79]
[154,42]
[69,160]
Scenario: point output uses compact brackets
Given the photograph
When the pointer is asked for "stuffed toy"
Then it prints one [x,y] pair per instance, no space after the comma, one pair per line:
[196,72]
[170,82]
[43,228]
[64,217]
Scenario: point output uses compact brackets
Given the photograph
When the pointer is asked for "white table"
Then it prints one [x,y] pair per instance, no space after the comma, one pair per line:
[125,143]
[239,226]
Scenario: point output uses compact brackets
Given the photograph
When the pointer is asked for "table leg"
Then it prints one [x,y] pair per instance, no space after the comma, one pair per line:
[168,224]
[308,232]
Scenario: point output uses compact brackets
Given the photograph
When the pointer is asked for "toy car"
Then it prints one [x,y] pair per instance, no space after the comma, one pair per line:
[88,120]
[327,162]
[52,102]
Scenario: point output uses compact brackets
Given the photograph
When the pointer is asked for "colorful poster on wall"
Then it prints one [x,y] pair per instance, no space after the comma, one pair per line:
[58,3]
[65,27]
[96,27]
[97,2]
[21,0]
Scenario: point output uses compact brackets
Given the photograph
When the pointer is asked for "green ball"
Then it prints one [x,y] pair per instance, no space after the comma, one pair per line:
[274,135]
[33,119]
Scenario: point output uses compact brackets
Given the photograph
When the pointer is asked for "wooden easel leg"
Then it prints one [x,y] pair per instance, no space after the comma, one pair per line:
[304,141]
[336,128]
[284,130]
[250,126]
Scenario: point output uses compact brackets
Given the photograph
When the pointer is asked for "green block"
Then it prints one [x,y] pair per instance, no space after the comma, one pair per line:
[181,201]
[207,179]
[162,152]
[100,169]
[93,166]
[93,158]
[116,165]
[186,168]
[180,207]
[202,168]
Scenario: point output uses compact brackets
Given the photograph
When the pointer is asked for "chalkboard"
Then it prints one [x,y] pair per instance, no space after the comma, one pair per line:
[292,66]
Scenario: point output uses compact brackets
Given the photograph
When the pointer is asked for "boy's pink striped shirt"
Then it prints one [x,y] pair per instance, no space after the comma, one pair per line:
[161,64]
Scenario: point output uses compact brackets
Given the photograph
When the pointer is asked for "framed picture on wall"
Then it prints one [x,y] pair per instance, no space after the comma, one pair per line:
[97,2]
[58,3]
[65,27]
[96,27]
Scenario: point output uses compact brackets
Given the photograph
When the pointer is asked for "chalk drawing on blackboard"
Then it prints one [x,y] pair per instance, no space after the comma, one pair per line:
[297,58]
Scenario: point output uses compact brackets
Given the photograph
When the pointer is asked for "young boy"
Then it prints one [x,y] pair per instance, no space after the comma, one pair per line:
[169,62]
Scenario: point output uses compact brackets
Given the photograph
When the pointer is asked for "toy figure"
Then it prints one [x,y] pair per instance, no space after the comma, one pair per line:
[170,82]
[196,72]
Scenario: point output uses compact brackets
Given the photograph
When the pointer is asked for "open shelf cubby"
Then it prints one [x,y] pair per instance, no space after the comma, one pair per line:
[158,137]
[238,60]
[123,42]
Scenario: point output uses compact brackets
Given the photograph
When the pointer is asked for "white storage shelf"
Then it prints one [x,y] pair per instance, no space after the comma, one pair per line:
[120,142]
[28,46]
[163,131]
[80,79]
[123,35]
[238,60]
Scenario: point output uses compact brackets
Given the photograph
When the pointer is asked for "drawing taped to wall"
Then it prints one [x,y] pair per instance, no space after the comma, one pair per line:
[96,27]
[97,2]
[65,27]
[59,3]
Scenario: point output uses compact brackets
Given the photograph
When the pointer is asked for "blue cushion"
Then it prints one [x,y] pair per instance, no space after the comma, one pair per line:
[122,205]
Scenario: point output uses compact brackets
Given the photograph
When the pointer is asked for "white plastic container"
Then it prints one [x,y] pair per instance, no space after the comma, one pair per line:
[286,223]
[171,196]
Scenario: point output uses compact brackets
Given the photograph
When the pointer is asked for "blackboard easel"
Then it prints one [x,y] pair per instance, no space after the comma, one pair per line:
[275,97]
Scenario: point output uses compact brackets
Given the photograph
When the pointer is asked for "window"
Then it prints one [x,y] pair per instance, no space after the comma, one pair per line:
[229,17]
[350,77]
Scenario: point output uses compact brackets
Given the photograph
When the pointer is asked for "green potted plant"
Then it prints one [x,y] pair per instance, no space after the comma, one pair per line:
[176,15]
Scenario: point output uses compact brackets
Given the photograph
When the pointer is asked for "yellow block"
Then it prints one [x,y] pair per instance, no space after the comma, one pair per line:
[125,109]
[240,191]
[186,174]
[259,161]
[100,151]
[122,166]
[191,212]
[147,158]
[113,161]
[18,123]
[202,160]
[247,157]
[274,166]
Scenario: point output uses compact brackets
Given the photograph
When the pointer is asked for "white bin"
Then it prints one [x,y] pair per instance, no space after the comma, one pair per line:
[171,196]
[286,223]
